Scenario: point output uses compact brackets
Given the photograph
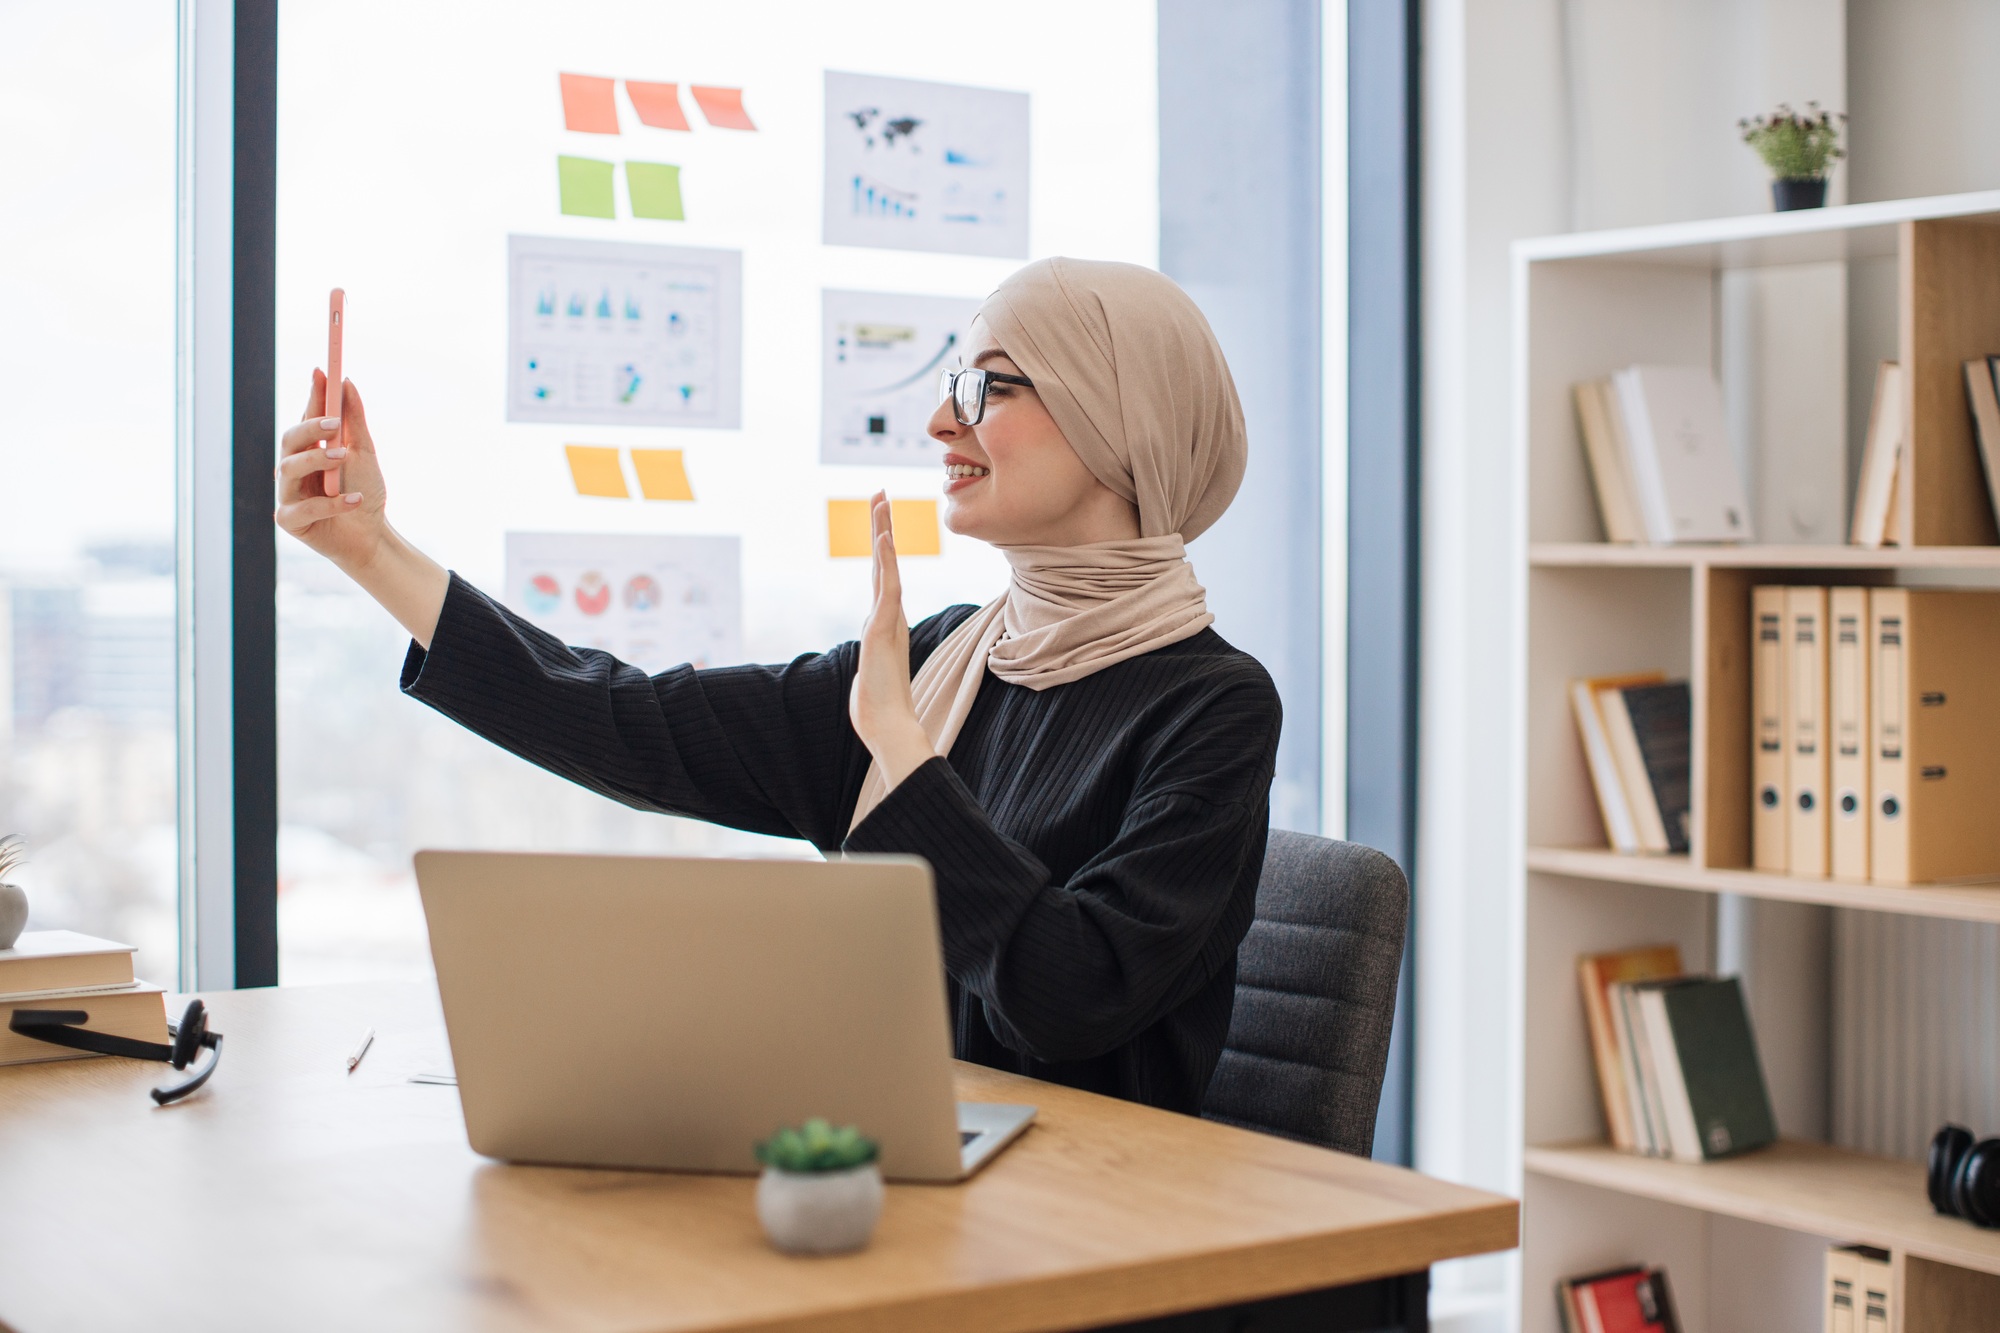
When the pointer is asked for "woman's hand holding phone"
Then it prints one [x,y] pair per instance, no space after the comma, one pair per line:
[346,528]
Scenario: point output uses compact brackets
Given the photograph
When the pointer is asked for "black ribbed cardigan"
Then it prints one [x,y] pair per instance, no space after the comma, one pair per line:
[1096,845]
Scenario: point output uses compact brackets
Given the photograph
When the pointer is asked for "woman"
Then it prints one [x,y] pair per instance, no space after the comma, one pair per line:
[1096,822]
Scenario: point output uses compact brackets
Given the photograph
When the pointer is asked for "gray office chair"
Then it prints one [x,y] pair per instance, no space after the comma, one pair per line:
[1315,995]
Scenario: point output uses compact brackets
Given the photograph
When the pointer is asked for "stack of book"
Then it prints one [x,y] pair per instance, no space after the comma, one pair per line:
[1635,739]
[1875,733]
[1660,457]
[1677,1063]
[1624,1300]
[60,969]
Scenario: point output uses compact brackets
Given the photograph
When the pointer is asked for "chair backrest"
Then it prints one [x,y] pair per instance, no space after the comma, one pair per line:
[1315,994]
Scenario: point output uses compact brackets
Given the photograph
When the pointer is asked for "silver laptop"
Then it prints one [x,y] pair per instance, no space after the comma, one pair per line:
[672,1012]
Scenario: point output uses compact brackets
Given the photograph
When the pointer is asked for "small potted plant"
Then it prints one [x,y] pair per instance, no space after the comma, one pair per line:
[1800,149]
[13,899]
[821,1191]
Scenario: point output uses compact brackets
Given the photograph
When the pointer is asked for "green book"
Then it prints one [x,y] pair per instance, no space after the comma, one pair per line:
[1711,1082]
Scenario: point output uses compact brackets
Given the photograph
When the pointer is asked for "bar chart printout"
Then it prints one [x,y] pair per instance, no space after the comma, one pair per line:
[614,334]
[912,165]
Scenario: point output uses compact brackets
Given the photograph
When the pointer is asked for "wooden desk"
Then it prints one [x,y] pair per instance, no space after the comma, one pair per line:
[289,1195]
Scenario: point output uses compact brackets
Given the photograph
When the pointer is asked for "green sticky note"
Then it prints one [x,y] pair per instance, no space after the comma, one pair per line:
[586,187]
[656,190]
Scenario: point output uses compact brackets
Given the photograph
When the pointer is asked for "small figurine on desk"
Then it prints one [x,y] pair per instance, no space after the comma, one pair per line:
[821,1192]
[13,898]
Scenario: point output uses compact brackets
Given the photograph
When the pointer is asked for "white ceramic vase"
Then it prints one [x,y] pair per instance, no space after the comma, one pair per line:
[13,914]
[820,1212]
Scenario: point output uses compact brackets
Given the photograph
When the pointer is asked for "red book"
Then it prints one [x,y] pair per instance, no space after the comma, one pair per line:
[1629,1300]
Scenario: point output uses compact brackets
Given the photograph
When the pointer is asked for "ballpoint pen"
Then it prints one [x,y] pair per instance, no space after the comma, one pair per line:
[360,1049]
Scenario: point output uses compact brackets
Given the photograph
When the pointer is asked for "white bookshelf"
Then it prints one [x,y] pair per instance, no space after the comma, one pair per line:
[1748,1233]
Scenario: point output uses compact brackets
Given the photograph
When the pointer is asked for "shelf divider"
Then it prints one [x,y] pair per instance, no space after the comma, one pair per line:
[1845,1196]
[1957,902]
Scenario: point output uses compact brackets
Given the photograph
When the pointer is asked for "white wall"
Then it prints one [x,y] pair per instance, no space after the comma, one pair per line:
[1539,116]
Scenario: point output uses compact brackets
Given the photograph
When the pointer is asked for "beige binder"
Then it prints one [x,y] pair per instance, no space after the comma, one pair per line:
[1768,827]
[1935,772]
[1805,732]
[1847,703]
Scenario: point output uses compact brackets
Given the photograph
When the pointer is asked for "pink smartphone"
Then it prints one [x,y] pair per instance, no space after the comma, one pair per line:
[336,316]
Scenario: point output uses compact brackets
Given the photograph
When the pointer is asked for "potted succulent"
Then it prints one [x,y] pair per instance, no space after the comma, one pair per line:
[13,900]
[1799,148]
[821,1191]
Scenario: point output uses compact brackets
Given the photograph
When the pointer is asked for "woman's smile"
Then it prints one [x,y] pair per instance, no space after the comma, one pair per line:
[961,472]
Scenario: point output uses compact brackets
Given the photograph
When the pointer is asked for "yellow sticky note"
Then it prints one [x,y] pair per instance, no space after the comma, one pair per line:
[596,471]
[847,528]
[662,474]
[915,523]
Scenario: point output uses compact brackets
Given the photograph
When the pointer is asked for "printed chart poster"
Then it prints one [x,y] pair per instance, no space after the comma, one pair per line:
[880,359]
[604,334]
[926,166]
[653,601]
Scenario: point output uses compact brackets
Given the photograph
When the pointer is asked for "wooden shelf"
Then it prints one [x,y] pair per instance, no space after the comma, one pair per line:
[1845,1196]
[1958,902]
[1605,555]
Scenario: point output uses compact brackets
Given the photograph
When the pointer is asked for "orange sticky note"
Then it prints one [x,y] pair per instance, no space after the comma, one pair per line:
[915,523]
[595,470]
[847,528]
[587,104]
[722,107]
[662,474]
[657,104]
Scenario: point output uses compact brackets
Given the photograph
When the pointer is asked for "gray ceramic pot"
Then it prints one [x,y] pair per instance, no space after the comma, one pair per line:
[13,914]
[820,1212]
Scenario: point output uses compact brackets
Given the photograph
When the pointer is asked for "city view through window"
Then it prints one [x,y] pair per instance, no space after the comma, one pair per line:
[87,755]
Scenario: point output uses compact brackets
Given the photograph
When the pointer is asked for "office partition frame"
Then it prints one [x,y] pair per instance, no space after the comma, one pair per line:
[225,549]
[1383,449]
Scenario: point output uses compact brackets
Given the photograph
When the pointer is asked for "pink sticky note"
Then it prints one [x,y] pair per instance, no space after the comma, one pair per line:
[723,107]
[587,104]
[658,104]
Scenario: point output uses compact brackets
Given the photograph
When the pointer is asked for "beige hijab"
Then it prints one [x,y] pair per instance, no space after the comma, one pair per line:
[1132,374]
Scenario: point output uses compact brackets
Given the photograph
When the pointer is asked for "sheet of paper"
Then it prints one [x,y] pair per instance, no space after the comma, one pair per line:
[881,354]
[656,190]
[610,334]
[595,470]
[588,106]
[915,523]
[657,104]
[925,166]
[722,107]
[585,186]
[653,601]
[662,474]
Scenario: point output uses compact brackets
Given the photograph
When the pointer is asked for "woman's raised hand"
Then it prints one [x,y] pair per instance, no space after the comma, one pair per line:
[880,705]
[347,528]
[352,529]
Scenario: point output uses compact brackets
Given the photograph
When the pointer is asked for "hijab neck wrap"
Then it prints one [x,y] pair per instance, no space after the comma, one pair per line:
[1132,374]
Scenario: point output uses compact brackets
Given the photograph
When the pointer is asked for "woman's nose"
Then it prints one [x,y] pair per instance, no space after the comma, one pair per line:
[943,425]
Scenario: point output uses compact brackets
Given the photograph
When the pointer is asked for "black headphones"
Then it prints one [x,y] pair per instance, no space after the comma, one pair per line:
[1963,1177]
[64,1027]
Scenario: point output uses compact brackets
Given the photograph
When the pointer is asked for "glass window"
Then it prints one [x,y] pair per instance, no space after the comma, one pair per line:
[412,146]
[87,766]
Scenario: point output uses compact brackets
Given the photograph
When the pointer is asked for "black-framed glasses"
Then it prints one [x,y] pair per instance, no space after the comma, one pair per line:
[64,1027]
[967,391]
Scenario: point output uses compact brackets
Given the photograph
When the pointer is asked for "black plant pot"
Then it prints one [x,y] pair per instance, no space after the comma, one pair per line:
[1788,195]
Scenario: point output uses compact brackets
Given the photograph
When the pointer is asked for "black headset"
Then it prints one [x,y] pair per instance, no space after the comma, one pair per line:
[64,1027]
[1963,1176]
